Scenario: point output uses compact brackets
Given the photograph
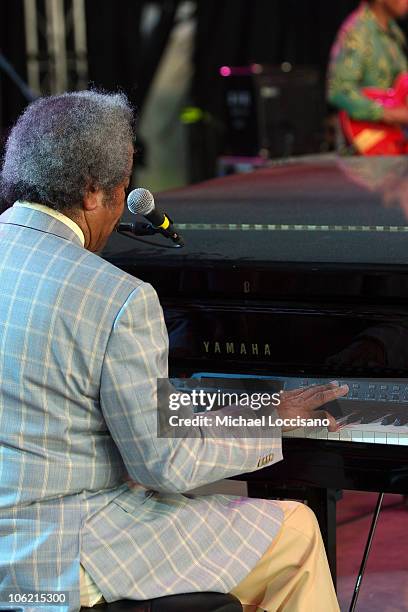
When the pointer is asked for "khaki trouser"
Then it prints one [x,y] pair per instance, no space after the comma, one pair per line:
[292,575]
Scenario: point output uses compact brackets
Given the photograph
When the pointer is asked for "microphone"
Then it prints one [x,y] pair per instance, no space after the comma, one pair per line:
[141,201]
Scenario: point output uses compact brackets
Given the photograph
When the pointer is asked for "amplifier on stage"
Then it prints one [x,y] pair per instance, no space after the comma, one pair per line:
[272,111]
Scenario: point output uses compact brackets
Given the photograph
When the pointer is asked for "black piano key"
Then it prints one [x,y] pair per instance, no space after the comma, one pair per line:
[401,420]
[365,416]
[389,419]
[371,417]
[342,420]
[354,418]
[366,412]
[376,413]
[401,416]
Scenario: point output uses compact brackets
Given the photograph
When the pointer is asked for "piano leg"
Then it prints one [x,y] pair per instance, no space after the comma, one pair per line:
[321,501]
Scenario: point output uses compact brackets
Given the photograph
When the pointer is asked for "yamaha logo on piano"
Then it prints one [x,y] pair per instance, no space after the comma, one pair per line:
[252,349]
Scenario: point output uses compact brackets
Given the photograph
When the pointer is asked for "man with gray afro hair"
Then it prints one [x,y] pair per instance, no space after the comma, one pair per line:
[72,154]
[63,145]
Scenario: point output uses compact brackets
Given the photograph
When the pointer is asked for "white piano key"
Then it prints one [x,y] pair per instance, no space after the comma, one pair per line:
[369,437]
[380,437]
[320,433]
[392,438]
[294,433]
[390,430]
[345,434]
[371,433]
[333,435]
[403,439]
[357,435]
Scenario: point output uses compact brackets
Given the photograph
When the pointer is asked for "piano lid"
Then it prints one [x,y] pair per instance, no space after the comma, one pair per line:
[321,209]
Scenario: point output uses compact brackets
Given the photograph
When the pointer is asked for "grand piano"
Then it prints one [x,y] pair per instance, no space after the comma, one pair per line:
[298,272]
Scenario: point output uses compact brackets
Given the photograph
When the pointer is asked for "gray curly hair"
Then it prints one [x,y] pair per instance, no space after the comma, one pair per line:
[63,145]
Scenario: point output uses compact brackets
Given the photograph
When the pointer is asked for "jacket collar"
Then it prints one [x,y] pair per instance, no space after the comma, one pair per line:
[37,220]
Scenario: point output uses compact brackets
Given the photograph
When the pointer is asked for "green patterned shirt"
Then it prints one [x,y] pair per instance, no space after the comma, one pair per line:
[363,55]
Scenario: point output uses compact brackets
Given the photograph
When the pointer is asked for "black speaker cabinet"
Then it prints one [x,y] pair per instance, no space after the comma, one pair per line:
[275,111]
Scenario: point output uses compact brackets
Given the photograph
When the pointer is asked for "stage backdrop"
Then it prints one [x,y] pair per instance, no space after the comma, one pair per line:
[231,32]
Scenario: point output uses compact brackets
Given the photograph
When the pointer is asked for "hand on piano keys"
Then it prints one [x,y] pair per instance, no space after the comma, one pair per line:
[303,403]
[367,410]
[373,411]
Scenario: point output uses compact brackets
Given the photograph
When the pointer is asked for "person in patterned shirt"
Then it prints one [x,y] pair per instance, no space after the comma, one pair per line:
[369,51]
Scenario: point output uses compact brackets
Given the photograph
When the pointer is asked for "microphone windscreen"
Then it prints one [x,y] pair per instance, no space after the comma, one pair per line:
[140,201]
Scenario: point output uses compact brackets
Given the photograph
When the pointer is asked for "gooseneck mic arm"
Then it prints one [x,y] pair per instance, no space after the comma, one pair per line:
[165,226]
[137,230]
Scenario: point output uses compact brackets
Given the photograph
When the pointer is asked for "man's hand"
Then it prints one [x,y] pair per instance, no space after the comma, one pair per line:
[302,403]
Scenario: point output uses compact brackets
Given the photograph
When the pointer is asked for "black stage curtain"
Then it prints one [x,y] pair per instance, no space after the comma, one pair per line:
[12,46]
[238,32]
[117,55]
[118,58]
[113,46]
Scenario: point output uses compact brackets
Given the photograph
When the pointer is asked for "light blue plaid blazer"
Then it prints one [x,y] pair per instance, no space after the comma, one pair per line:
[81,346]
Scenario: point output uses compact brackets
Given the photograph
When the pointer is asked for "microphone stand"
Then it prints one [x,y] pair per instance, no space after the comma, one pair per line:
[137,230]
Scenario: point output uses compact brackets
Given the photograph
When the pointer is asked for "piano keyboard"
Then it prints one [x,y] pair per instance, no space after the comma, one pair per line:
[374,411]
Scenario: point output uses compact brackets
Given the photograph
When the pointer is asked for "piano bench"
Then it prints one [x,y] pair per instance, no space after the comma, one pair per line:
[190,602]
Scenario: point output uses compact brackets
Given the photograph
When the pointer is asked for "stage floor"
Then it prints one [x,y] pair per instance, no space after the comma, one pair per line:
[385,584]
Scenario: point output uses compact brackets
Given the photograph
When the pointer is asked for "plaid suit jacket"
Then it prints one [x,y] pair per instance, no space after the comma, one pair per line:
[81,346]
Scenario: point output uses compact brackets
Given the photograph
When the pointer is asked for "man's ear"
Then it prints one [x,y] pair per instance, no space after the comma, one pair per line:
[93,199]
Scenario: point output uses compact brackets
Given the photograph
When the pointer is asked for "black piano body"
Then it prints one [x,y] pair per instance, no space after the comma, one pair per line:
[299,271]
